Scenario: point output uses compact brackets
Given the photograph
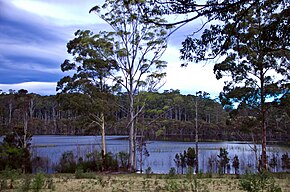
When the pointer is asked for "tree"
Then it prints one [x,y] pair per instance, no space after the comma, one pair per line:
[254,42]
[191,157]
[198,95]
[136,47]
[91,71]
[236,164]
[223,160]
[12,152]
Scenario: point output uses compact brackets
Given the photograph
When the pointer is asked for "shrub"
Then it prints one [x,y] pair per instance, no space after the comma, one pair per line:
[285,161]
[189,173]
[13,154]
[67,163]
[223,160]
[38,182]
[9,175]
[40,164]
[172,172]
[109,163]
[259,182]
[236,164]
[79,172]
[26,184]
[148,171]
[123,159]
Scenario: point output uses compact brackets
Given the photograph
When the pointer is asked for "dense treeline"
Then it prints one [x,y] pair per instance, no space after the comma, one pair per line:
[167,115]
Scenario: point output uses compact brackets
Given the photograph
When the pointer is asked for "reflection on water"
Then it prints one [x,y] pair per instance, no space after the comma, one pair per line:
[162,153]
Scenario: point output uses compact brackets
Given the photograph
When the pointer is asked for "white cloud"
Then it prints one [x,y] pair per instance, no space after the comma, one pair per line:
[42,88]
[60,19]
[64,13]
[194,77]
[34,50]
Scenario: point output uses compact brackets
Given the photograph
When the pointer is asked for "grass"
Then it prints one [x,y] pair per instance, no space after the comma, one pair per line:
[136,182]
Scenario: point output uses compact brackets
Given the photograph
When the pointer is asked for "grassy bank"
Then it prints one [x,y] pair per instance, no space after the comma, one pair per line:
[128,182]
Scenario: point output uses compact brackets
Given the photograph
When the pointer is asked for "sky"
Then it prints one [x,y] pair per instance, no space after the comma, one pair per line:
[33,38]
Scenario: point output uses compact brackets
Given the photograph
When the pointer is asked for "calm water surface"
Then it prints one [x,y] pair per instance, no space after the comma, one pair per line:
[162,153]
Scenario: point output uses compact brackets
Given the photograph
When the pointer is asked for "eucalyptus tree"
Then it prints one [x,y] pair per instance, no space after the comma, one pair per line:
[253,47]
[136,47]
[91,71]
[198,96]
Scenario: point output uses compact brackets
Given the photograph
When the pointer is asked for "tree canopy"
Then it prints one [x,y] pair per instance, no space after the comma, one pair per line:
[136,47]
[254,46]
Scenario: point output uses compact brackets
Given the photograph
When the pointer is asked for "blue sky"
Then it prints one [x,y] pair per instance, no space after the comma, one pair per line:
[33,38]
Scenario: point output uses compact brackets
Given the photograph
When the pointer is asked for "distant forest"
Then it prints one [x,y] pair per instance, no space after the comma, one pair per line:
[168,115]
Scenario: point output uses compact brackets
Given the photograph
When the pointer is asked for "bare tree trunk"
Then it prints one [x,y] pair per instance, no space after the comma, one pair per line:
[263,125]
[196,136]
[103,134]
[31,107]
[10,112]
[264,145]
[25,130]
[132,155]
[54,116]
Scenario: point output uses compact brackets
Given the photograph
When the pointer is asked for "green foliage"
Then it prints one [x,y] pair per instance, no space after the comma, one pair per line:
[110,163]
[148,171]
[191,157]
[273,162]
[25,186]
[172,173]
[38,182]
[236,164]
[185,159]
[94,161]
[223,160]
[9,176]
[253,37]
[12,153]
[67,163]
[79,172]
[189,173]
[285,161]
[172,185]
[135,47]
[123,159]
[259,182]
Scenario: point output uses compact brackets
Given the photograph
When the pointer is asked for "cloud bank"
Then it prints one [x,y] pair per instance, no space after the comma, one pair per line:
[33,38]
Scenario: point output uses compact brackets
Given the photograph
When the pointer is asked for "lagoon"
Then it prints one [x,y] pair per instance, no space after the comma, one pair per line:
[161,153]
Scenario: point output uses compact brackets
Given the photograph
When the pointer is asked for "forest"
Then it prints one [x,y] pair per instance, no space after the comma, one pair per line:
[166,116]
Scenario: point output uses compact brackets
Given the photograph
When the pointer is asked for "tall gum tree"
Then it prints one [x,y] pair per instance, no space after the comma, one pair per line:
[91,71]
[136,47]
[254,44]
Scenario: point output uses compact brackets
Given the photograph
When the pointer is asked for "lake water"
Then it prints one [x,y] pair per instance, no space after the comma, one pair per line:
[162,153]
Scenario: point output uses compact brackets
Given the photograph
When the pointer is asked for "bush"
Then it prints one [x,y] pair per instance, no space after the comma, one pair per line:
[172,172]
[38,182]
[236,164]
[8,175]
[67,163]
[148,171]
[93,162]
[123,159]
[79,172]
[12,153]
[40,164]
[223,160]
[110,163]
[259,182]
[285,161]
[26,184]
